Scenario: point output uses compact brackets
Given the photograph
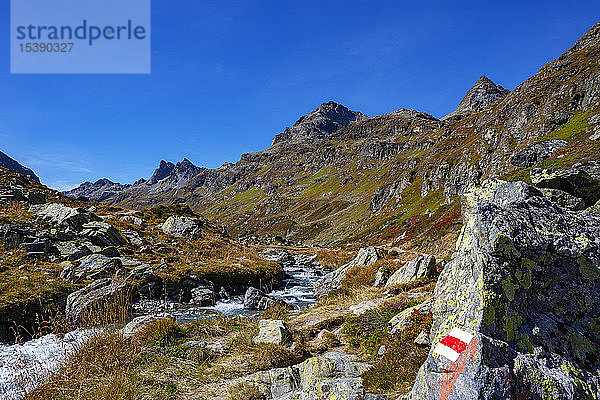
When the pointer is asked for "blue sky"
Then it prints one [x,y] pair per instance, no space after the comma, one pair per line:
[229,75]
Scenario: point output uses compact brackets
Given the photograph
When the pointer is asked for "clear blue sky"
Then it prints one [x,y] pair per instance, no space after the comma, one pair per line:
[228,75]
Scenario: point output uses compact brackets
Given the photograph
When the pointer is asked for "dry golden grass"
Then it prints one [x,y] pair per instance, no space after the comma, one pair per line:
[244,391]
[14,212]
[334,258]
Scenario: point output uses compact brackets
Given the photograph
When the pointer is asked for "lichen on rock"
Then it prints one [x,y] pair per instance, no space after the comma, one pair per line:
[524,281]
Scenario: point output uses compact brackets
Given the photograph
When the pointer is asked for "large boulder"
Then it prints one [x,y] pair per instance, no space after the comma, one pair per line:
[333,280]
[582,180]
[92,267]
[273,331]
[256,299]
[92,303]
[420,267]
[203,296]
[331,376]
[65,217]
[72,250]
[525,283]
[103,234]
[183,227]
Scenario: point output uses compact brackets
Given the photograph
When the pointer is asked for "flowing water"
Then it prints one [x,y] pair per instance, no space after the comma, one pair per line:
[24,366]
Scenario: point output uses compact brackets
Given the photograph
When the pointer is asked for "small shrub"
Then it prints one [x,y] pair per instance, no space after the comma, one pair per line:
[418,322]
[162,332]
[369,329]
[396,369]
[268,356]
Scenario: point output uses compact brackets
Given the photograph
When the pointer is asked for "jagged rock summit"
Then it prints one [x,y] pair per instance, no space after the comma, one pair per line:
[319,124]
[480,96]
[98,191]
[9,163]
[176,175]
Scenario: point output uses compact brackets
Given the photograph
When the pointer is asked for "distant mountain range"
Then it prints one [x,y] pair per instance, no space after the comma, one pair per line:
[338,174]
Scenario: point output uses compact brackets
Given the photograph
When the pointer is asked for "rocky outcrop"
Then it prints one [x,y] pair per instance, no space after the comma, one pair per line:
[72,250]
[331,376]
[333,280]
[319,124]
[13,236]
[102,234]
[65,217]
[92,267]
[564,199]
[481,95]
[525,282]
[383,195]
[582,180]
[9,163]
[92,303]
[420,267]
[274,332]
[537,153]
[183,227]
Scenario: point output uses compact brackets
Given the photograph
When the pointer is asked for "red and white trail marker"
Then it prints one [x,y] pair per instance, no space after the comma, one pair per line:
[452,345]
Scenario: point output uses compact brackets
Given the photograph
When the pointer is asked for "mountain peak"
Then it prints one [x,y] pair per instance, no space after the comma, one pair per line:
[483,80]
[319,124]
[174,174]
[164,169]
[481,95]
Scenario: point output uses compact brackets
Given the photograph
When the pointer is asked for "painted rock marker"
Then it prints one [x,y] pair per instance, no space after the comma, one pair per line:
[452,345]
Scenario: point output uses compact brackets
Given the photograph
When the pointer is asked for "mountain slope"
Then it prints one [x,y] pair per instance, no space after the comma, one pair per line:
[402,172]
[9,163]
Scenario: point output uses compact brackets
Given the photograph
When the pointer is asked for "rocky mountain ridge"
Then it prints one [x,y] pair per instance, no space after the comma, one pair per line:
[373,175]
[13,165]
